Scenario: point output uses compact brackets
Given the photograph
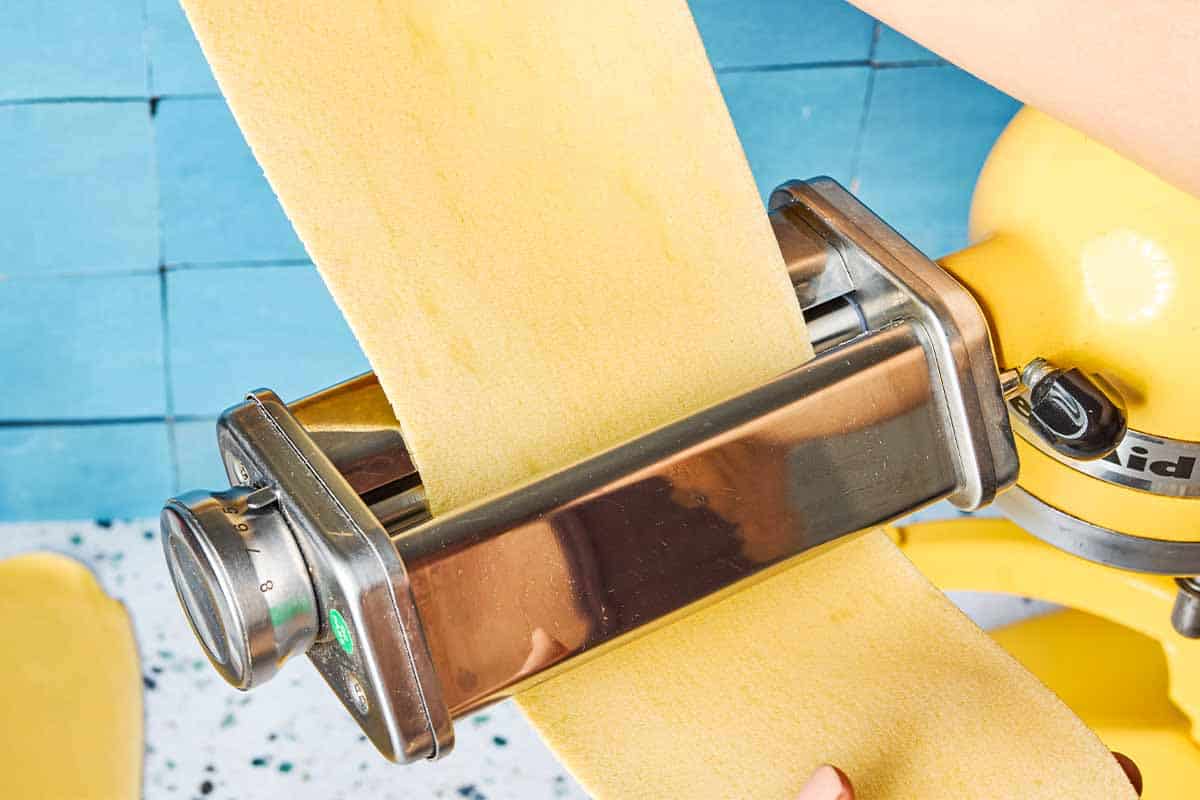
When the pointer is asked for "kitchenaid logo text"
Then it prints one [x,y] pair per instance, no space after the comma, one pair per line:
[1150,463]
[1140,459]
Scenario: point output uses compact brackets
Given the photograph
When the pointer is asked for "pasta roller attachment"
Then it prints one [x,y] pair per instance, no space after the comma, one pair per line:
[324,544]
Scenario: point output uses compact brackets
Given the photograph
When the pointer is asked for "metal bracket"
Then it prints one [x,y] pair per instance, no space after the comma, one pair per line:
[381,672]
[894,281]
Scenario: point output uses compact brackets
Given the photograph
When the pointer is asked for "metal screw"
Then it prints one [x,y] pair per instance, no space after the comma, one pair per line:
[1033,372]
[1010,383]
[1186,614]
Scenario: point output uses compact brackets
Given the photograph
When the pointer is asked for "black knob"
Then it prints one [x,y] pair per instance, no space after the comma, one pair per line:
[1080,417]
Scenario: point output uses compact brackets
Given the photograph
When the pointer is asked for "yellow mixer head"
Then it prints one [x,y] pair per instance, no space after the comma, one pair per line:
[1084,258]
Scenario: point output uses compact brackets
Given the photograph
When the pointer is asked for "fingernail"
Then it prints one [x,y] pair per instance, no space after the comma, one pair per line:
[825,784]
[1131,771]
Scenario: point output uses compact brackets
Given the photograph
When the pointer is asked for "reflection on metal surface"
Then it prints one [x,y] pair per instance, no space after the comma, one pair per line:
[601,549]
[901,407]
[238,571]
[1078,417]
[1185,615]
[893,281]
[1066,532]
[815,266]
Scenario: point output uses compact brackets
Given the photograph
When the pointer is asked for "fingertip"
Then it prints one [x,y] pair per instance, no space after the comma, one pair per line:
[847,787]
[1131,770]
[827,783]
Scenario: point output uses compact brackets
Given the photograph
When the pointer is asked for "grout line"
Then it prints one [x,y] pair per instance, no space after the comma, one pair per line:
[84,274]
[849,64]
[168,389]
[114,99]
[911,64]
[861,134]
[163,304]
[102,421]
[792,67]
[43,101]
[179,266]
[79,423]
[146,50]
[263,262]
[188,96]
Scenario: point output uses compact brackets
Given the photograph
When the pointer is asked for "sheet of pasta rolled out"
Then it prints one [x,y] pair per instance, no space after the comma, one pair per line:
[70,685]
[537,218]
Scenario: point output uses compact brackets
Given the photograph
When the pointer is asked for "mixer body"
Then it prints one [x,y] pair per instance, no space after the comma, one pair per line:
[1083,257]
[1080,256]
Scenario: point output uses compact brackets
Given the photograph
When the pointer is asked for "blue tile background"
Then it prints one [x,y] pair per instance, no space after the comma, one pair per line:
[797,123]
[75,49]
[79,349]
[177,67]
[927,133]
[197,459]
[78,471]
[748,33]
[148,277]
[77,187]
[237,329]
[216,204]
[892,47]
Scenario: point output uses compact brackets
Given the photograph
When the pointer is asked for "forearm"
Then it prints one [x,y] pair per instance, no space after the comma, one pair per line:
[1125,73]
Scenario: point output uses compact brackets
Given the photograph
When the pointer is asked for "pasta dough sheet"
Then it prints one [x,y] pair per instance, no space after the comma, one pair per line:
[852,658]
[539,223]
[71,687]
[525,210]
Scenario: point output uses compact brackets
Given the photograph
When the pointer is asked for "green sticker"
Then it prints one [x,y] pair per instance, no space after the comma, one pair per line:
[341,631]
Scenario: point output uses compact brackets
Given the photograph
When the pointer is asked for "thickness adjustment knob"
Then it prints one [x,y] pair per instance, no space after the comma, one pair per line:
[1080,416]
[241,579]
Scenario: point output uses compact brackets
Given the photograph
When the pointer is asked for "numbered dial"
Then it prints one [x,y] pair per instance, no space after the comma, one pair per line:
[241,579]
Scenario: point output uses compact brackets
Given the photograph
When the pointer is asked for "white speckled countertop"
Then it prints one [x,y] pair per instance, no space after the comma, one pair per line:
[291,738]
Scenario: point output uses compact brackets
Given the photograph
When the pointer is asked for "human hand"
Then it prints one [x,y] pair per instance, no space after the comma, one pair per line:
[830,783]
[827,783]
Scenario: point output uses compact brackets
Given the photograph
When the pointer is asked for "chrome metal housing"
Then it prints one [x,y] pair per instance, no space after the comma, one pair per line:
[422,620]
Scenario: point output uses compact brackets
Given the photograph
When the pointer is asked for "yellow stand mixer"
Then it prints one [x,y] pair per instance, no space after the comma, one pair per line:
[1083,276]
[1084,258]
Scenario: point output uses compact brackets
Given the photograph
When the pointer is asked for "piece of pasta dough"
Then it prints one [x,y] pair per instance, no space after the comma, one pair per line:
[538,221]
[71,687]
[524,210]
[852,658]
